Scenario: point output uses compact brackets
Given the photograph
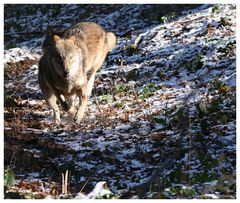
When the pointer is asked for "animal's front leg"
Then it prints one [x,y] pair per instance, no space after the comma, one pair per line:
[72,109]
[82,93]
[51,98]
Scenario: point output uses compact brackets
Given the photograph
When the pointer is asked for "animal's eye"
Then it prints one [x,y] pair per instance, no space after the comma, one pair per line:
[59,59]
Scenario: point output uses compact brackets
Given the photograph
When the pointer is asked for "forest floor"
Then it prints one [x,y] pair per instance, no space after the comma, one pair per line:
[161,122]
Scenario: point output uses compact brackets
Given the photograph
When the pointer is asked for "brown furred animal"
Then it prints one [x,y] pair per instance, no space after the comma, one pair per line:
[66,64]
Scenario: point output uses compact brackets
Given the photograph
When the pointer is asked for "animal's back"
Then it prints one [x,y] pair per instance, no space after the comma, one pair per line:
[89,33]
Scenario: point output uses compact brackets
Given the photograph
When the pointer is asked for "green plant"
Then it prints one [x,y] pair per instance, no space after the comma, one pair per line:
[123,88]
[223,117]
[149,90]
[216,8]
[9,178]
[203,107]
[10,46]
[179,191]
[167,18]
[161,121]
[164,19]
[187,192]
[179,116]
[9,101]
[173,14]
[218,85]
[131,49]
[121,104]
[225,21]
[108,195]
[198,62]
[106,98]
[132,75]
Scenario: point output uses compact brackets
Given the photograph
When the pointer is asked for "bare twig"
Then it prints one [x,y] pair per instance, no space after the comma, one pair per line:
[65,183]
[85,183]
[63,192]
[96,102]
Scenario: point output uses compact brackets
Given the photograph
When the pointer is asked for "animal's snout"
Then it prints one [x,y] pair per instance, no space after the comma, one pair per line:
[66,73]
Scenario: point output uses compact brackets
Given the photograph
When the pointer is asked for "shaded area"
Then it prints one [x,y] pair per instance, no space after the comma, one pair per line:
[149,14]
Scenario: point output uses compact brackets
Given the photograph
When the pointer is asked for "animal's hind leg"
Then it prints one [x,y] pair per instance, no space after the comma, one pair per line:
[52,101]
[83,103]
[90,83]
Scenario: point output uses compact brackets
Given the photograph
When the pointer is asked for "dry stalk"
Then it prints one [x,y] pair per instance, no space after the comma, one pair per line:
[65,183]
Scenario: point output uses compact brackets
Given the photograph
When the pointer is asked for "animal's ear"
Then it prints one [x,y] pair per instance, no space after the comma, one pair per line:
[56,38]
[48,38]
[49,32]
